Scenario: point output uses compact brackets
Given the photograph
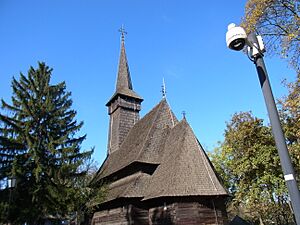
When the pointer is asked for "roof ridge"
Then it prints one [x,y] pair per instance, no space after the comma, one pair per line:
[165,159]
[159,105]
[180,122]
[171,114]
[207,164]
[181,171]
[154,108]
[107,168]
[203,157]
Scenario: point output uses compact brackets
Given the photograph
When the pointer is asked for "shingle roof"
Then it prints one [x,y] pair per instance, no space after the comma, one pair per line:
[132,186]
[144,142]
[124,79]
[185,169]
[181,166]
[124,84]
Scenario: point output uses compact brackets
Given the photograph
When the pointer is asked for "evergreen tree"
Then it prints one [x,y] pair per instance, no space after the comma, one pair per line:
[39,147]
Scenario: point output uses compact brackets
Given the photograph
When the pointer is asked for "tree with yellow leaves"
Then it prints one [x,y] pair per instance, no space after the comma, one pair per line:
[278,21]
[249,165]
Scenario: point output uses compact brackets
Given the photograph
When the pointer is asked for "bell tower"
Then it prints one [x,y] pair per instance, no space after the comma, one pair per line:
[124,105]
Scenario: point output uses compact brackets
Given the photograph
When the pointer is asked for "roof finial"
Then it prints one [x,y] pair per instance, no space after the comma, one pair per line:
[163,89]
[183,114]
[123,32]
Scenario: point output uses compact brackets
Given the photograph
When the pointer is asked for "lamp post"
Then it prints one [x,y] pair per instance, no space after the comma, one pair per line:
[236,39]
[11,183]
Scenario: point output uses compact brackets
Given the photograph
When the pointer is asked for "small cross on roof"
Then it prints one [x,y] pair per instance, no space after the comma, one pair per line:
[123,32]
[183,114]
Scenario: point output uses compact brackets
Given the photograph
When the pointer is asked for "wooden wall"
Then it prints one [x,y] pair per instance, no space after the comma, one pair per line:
[117,216]
[189,213]
[125,215]
[196,213]
[177,213]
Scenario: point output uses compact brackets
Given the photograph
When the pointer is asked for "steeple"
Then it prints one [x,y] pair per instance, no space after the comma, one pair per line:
[123,80]
[123,84]
[124,105]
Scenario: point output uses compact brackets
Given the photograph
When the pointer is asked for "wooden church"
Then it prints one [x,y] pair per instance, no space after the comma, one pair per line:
[156,170]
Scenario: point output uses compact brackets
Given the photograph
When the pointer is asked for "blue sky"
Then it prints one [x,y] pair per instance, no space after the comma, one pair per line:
[180,41]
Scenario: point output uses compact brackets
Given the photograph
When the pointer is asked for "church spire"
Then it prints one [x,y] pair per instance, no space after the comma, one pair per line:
[124,79]
[124,105]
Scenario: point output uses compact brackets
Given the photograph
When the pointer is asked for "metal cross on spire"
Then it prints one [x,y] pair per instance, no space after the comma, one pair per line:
[163,89]
[183,114]
[123,32]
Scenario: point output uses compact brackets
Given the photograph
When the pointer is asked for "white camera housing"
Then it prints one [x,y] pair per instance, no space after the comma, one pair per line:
[236,37]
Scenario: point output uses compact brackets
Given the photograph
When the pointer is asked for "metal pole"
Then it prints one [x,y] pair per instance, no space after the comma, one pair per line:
[285,160]
[9,202]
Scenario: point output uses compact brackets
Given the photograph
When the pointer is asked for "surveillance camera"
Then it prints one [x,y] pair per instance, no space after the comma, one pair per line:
[236,37]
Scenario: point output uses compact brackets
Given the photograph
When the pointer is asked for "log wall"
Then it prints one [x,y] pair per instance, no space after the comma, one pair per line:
[125,215]
[178,213]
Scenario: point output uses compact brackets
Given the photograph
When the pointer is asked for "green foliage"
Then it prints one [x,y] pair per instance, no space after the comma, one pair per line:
[39,146]
[88,195]
[290,116]
[278,21]
[249,164]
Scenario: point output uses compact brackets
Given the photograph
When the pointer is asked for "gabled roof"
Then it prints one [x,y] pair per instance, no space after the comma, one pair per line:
[144,142]
[180,165]
[185,169]
[124,84]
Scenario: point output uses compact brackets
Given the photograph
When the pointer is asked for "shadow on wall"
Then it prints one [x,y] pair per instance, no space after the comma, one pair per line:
[157,216]
[137,216]
[161,217]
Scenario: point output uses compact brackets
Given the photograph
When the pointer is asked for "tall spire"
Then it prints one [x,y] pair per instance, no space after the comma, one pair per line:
[124,79]
[124,105]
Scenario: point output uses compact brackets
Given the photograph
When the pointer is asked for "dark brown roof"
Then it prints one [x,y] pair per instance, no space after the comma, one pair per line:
[181,167]
[124,84]
[133,186]
[124,92]
[144,142]
[185,169]
[124,79]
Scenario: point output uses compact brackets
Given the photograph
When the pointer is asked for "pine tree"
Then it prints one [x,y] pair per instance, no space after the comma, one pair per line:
[40,148]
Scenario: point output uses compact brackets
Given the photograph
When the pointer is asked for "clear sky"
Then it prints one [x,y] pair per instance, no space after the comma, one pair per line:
[182,41]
